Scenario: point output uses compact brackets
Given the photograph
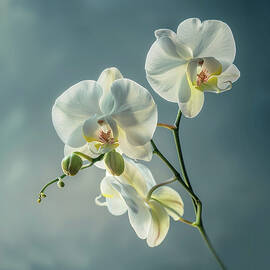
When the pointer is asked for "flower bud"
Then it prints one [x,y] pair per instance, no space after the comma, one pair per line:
[114,163]
[42,195]
[71,164]
[60,184]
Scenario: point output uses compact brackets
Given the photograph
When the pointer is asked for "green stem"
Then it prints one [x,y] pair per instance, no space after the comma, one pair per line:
[83,156]
[164,159]
[166,126]
[198,223]
[53,181]
[210,246]
[187,222]
[180,154]
[175,172]
[87,166]
[197,204]
[94,160]
[159,185]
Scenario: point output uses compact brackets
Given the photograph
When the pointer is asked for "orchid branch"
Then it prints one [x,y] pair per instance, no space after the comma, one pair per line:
[42,194]
[198,222]
[180,155]
[175,172]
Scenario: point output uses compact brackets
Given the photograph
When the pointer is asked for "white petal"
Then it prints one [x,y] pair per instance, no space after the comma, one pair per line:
[147,175]
[212,65]
[226,78]
[106,78]
[184,92]
[91,129]
[143,152]
[170,200]
[138,212]
[138,176]
[166,64]
[134,111]
[169,83]
[159,225]
[72,108]
[114,201]
[192,69]
[100,164]
[209,38]
[75,138]
[84,149]
[192,108]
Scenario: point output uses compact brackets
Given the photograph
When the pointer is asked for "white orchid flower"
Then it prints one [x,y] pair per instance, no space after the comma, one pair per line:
[114,112]
[128,192]
[199,57]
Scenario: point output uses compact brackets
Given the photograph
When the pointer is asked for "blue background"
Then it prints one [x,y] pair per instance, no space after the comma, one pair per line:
[47,46]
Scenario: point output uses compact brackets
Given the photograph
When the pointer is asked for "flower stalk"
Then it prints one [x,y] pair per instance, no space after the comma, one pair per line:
[175,172]
[180,155]
[187,185]
[159,185]
[164,125]
[42,192]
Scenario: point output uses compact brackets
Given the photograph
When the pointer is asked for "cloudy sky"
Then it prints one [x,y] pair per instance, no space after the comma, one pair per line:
[47,46]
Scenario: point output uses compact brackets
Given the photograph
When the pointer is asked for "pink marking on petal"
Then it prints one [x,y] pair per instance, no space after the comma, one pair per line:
[203,77]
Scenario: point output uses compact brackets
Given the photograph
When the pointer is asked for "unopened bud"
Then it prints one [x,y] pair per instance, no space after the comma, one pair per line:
[39,200]
[114,163]
[60,184]
[42,195]
[71,164]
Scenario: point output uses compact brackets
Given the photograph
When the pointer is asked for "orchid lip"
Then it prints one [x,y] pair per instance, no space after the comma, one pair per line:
[203,77]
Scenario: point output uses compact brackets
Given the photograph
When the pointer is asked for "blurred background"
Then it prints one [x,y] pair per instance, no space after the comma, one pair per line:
[47,46]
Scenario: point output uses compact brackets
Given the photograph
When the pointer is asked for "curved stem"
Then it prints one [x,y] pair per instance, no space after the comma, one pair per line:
[53,181]
[164,159]
[87,166]
[94,160]
[197,204]
[187,222]
[159,185]
[210,246]
[83,156]
[168,126]
[175,172]
[196,201]
[180,154]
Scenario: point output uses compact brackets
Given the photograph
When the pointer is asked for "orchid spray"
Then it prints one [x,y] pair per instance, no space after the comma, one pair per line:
[110,123]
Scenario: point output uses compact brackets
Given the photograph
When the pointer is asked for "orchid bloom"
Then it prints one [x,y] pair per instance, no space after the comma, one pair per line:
[149,217]
[95,117]
[199,57]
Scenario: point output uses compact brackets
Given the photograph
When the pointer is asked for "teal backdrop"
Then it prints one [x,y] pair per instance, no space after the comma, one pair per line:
[47,46]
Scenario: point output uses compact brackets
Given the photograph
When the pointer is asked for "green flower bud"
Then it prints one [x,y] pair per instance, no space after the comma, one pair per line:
[71,164]
[39,200]
[42,195]
[60,184]
[114,163]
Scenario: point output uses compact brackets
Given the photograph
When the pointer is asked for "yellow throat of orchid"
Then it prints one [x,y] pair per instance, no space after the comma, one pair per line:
[103,137]
[202,73]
